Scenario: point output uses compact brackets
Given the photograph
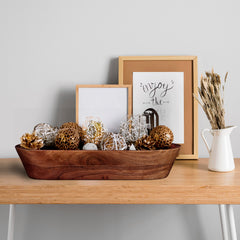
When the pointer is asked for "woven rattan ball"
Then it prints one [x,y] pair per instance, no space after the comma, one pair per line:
[67,139]
[112,141]
[94,132]
[163,136]
[47,133]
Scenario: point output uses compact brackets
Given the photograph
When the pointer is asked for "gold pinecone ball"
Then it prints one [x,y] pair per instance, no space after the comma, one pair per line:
[145,143]
[67,139]
[31,141]
[163,136]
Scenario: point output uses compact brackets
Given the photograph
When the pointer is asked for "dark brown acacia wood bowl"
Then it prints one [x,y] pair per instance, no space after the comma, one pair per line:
[96,165]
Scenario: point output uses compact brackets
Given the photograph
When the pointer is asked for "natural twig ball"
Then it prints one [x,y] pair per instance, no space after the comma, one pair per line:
[67,139]
[74,126]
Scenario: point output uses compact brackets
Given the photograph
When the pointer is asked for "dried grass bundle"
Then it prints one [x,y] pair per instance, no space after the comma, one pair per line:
[211,91]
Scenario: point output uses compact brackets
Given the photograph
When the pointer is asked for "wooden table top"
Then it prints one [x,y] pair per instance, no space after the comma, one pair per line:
[189,182]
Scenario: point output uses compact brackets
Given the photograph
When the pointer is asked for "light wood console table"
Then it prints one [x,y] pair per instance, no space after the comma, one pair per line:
[189,182]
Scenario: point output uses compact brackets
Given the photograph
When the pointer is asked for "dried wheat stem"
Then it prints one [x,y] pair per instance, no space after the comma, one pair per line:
[211,92]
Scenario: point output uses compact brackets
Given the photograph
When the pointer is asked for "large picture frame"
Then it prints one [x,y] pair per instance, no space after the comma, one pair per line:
[107,103]
[180,67]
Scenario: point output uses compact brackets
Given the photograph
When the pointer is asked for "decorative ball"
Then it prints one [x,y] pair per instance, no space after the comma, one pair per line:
[134,128]
[163,136]
[74,126]
[145,143]
[132,148]
[112,141]
[67,139]
[90,146]
[94,132]
[47,133]
[31,141]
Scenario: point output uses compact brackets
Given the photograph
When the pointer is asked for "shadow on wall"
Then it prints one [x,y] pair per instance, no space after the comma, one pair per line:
[192,222]
[107,222]
[112,77]
[65,107]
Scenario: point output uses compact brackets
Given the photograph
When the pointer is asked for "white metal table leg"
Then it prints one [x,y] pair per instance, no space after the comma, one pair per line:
[223,218]
[231,220]
[227,222]
[11,218]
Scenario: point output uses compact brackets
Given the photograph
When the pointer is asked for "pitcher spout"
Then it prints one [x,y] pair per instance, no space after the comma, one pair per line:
[226,130]
[229,129]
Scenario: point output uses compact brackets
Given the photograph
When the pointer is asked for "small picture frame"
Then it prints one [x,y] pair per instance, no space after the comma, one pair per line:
[163,88]
[110,104]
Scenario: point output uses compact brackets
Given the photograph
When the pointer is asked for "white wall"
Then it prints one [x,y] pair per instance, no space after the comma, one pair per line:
[49,46]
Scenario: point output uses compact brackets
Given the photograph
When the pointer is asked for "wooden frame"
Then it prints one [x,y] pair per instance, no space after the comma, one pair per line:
[186,64]
[105,100]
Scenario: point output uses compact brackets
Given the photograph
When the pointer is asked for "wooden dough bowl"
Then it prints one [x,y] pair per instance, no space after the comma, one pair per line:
[98,165]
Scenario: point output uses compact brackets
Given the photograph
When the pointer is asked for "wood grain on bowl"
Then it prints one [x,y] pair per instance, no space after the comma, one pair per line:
[98,165]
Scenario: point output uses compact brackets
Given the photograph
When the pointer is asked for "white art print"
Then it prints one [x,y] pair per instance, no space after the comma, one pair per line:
[164,92]
[107,104]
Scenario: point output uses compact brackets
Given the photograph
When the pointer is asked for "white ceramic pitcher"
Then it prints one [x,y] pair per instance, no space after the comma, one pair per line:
[220,154]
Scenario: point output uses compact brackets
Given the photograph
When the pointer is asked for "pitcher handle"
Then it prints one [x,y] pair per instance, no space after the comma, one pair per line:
[204,139]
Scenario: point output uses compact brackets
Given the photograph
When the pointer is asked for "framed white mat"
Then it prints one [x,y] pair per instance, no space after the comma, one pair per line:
[109,103]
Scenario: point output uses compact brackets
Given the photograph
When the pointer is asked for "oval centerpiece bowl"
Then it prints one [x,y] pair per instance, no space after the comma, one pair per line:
[98,165]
